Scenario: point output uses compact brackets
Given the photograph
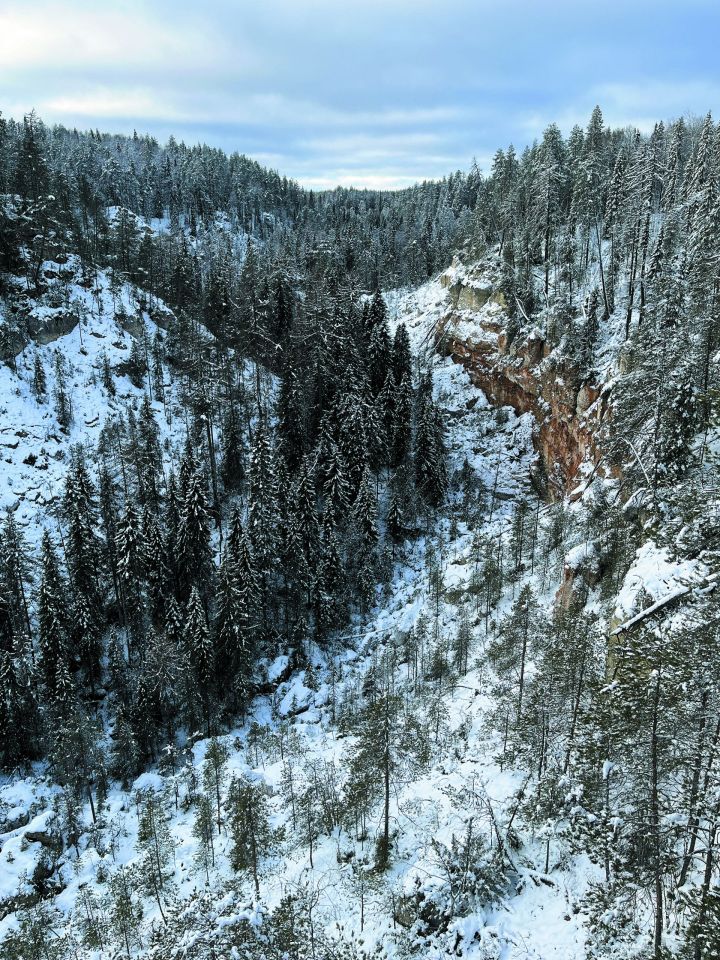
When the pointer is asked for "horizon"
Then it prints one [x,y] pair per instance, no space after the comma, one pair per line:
[374,96]
[229,151]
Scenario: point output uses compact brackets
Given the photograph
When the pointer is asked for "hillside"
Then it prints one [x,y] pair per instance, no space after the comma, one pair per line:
[302,732]
[457,791]
[340,621]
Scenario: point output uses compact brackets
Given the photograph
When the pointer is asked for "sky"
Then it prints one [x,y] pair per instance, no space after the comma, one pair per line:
[369,93]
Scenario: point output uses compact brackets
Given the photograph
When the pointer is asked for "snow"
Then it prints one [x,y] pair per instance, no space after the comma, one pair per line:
[653,608]
[537,914]
[149,781]
[428,808]
[579,556]
[655,573]
[36,450]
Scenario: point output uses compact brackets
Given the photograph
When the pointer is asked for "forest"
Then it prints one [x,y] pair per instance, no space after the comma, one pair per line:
[296,573]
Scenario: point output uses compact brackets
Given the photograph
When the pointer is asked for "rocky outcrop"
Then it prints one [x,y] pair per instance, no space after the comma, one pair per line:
[527,376]
[582,572]
[471,294]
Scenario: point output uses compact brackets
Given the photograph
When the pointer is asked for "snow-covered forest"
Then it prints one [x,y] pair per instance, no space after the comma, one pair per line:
[359,553]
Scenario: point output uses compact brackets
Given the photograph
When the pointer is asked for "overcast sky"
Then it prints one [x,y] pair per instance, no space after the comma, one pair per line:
[357,92]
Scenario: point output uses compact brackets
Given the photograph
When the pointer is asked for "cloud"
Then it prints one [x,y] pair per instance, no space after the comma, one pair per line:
[640,105]
[223,106]
[656,99]
[370,92]
[368,179]
[106,102]
[78,36]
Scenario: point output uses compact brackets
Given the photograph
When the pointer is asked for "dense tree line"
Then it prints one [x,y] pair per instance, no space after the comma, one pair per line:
[163,584]
[95,194]
[608,242]
[163,590]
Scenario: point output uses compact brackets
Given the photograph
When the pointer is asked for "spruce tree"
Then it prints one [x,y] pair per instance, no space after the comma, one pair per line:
[199,652]
[52,623]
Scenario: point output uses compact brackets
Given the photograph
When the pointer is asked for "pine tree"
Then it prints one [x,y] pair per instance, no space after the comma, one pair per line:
[291,416]
[194,556]
[19,709]
[262,513]
[250,829]
[63,402]
[355,440]
[39,383]
[199,650]
[204,833]
[329,587]
[232,630]
[589,332]
[83,559]
[126,757]
[401,442]
[232,464]
[15,574]
[335,486]
[161,676]
[365,515]
[124,912]
[379,357]
[401,355]
[215,774]
[430,466]
[377,761]
[131,548]
[377,315]
[156,846]
[511,651]
[394,520]
[52,623]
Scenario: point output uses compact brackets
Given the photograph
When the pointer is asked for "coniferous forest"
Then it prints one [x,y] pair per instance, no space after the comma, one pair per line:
[359,553]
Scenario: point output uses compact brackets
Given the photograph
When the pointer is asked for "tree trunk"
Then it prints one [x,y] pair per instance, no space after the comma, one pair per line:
[655,820]
[705,889]
[386,780]
[694,820]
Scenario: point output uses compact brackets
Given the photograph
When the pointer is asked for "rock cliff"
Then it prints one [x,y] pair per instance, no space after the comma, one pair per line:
[525,374]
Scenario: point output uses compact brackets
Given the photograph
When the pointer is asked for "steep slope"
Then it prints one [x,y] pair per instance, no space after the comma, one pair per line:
[310,752]
[473,718]
[464,316]
[93,328]
[525,374]
[301,748]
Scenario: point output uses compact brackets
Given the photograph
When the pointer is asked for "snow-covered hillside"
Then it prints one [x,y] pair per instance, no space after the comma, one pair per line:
[338,624]
[454,797]
[448,785]
[92,328]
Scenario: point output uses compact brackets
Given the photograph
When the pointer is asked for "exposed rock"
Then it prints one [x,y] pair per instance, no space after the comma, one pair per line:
[14,819]
[525,376]
[582,572]
[471,288]
[51,327]
[48,838]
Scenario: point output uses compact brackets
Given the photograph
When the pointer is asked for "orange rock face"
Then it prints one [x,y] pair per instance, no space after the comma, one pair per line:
[569,415]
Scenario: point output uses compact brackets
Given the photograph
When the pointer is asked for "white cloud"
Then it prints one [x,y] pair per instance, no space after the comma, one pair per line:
[106,102]
[361,179]
[623,102]
[214,104]
[42,35]
[641,104]
[370,92]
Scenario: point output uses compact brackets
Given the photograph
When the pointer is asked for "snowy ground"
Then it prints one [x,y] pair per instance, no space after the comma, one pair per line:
[34,450]
[535,920]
